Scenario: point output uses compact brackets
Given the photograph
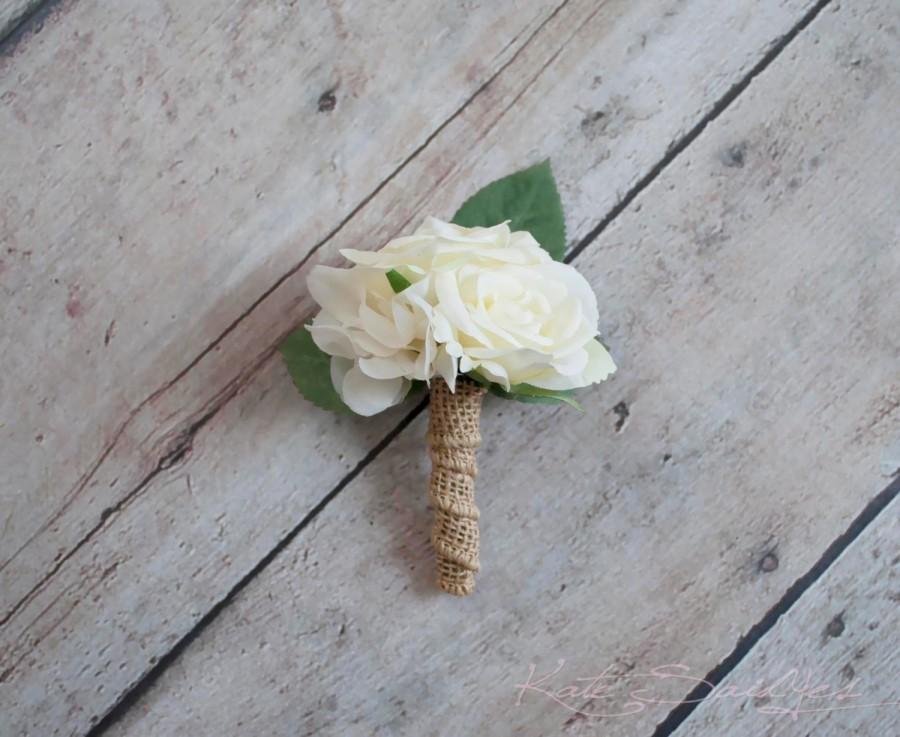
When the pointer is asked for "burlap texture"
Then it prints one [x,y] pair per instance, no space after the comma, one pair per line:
[453,438]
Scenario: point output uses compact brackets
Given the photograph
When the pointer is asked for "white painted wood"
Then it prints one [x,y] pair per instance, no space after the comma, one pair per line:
[544,86]
[829,667]
[175,164]
[743,297]
[74,455]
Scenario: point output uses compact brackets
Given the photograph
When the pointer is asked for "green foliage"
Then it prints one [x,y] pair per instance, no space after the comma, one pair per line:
[398,281]
[527,393]
[310,370]
[528,199]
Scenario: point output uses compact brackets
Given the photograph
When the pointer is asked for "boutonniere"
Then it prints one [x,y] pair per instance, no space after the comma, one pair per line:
[480,304]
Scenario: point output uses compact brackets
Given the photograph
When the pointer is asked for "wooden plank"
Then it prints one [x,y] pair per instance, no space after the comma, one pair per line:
[181,158]
[594,167]
[842,637]
[743,297]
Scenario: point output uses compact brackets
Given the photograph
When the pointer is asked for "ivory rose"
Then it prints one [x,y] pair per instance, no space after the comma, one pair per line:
[378,340]
[481,299]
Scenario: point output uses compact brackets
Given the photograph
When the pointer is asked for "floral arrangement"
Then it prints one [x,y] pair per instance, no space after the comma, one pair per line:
[480,304]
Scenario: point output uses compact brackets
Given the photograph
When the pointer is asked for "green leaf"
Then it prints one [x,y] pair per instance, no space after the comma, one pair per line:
[535,395]
[398,281]
[310,370]
[415,386]
[527,393]
[528,199]
[479,379]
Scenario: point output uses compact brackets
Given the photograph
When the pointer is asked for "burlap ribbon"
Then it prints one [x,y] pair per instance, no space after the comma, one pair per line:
[453,438]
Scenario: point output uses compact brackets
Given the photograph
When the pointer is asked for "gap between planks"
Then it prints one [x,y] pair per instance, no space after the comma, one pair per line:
[679,714]
[182,443]
[668,726]
[21,18]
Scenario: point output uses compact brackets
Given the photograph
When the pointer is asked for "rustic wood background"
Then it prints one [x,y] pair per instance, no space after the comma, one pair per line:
[189,548]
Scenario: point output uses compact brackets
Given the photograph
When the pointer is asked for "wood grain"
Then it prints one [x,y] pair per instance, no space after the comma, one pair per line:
[743,297]
[163,542]
[830,664]
[180,159]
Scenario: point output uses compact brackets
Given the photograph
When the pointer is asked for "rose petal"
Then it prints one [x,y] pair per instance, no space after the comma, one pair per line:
[495,372]
[367,396]
[550,379]
[337,291]
[576,286]
[445,365]
[498,234]
[331,339]
[452,306]
[600,363]
[339,368]
[392,367]
[367,345]
[571,364]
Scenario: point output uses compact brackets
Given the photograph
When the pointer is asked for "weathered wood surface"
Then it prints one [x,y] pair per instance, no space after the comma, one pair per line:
[180,159]
[842,637]
[744,299]
[600,92]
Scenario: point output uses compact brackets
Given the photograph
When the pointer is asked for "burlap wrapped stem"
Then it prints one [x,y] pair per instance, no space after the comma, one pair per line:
[453,439]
